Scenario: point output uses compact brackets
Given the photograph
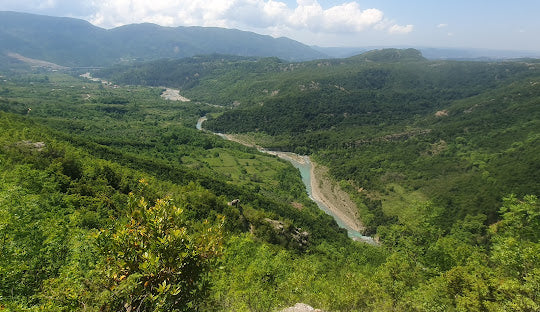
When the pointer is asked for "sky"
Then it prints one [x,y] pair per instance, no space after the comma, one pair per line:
[481,24]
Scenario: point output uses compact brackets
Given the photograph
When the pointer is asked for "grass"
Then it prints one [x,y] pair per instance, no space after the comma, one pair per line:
[398,201]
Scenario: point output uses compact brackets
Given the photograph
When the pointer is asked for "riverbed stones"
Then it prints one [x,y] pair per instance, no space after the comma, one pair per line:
[301,307]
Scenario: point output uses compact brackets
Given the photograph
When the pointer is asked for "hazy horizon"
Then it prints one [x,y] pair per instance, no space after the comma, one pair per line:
[501,25]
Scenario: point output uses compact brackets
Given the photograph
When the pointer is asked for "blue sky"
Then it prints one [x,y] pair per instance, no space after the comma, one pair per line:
[495,24]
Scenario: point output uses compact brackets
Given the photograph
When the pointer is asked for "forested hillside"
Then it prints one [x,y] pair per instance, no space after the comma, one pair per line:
[111,200]
[412,130]
[81,163]
[387,122]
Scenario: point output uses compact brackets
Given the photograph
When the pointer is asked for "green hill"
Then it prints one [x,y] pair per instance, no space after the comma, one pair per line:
[391,55]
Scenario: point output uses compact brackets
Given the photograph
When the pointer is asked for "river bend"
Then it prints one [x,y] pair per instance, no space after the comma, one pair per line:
[304,165]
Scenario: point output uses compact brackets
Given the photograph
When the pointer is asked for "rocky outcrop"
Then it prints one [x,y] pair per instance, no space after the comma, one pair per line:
[290,232]
[243,219]
[37,146]
[301,307]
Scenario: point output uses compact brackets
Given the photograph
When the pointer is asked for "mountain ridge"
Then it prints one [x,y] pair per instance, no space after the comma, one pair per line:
[75,42]
[437,53]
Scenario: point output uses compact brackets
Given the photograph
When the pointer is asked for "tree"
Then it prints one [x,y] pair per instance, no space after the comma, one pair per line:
[158,260]
[516,254]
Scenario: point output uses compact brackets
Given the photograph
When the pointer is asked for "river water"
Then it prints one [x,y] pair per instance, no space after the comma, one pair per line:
[304,165]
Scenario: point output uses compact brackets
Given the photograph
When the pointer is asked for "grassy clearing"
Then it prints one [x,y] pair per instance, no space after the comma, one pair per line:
[398,201]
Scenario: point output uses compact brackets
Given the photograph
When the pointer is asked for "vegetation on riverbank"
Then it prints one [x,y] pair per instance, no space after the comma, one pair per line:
[110,199]
[440,131]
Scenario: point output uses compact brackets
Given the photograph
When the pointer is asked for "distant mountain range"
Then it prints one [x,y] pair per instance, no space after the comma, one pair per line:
[436,53]
[77,43]
[74,42]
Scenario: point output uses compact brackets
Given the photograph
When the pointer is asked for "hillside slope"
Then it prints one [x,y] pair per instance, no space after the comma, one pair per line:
[387,122]
[399,130]
[110,199]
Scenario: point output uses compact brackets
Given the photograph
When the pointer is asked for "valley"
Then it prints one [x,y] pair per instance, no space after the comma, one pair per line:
[215,182]
[328,197]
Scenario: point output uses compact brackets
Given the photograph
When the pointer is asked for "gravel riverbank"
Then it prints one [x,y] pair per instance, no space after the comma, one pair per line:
[329,196]
[332,196]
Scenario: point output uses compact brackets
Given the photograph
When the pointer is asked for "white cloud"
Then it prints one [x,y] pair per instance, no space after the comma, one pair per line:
[49,7]
[306,20]
[111,13]
[270,16]
[398,29]
[442,25]
[350,17]
[47,4]
[347,17]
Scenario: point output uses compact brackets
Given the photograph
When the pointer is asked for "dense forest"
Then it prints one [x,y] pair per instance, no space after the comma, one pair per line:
[388,122]
[111,200]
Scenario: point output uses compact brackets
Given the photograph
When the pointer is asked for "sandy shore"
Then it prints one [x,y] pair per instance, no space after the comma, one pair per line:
[337,200]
